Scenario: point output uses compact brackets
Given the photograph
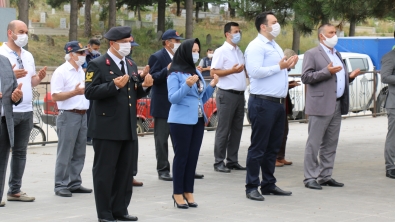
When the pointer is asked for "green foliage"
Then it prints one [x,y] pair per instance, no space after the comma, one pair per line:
[169,23]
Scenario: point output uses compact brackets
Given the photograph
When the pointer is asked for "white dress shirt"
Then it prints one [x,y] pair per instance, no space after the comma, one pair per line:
[64,79]
[118,61]
[30,67]
[262,65]
[171,55]
[225,57]
[341,78]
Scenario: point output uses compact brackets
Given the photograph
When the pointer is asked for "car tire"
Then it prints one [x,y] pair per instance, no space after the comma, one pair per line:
[140,127]
[381,100]
[213,122]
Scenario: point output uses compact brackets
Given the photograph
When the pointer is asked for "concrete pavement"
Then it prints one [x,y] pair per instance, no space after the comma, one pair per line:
[367,196]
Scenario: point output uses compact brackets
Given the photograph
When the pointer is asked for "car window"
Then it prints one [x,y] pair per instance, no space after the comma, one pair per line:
[298,68]
[359,63]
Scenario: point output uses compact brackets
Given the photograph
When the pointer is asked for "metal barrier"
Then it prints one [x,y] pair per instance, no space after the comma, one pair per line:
[367,97]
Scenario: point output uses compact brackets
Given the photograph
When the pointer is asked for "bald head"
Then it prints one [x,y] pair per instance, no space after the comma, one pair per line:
[15,28]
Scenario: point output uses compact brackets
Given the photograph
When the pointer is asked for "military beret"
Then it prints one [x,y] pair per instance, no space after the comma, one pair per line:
[171,34]
[117,33]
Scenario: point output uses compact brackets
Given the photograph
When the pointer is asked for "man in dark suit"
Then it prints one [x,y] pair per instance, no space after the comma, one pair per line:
[10,94]
[112,85]
[327,98]
[388,76]
[160,105]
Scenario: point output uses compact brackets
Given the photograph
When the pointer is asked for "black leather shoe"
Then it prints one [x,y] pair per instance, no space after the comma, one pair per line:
[255,195]
[194,204]
[332,183]
[313,185]
[235,166]
[181,206]
[222,168]
[126,218]
[199,176]
[165,177]
[276,191]
[390,174]
[64,193]
[104,220]
[81,189]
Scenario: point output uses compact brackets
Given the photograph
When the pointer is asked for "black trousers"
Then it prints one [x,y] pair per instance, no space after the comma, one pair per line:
[187,140]
[267,123]
[281,153]
[113,176]
[161,137]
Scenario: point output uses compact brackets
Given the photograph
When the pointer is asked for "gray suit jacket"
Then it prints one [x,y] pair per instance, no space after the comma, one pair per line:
[8,85]
[388,76]
[321,84]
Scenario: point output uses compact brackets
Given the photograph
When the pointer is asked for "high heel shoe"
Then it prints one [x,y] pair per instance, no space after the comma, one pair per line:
[194,204]
[181,206]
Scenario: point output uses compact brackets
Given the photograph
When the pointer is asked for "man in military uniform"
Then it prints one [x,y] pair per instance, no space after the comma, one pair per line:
[113,85]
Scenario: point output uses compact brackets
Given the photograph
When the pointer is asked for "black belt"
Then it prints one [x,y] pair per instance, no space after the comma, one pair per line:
[233,91]
[273,99]
[81,112]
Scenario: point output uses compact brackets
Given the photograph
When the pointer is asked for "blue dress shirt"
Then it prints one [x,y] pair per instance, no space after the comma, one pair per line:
[266,78]
[336,61]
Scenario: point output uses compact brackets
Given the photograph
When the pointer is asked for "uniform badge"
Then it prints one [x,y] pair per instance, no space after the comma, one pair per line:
[89,76]
[107,62]
[111,72]
[130,63]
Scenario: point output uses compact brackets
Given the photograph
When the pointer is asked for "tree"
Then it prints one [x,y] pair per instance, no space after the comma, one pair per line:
[88,19]
[136,5]
[189,19]
[23,13]
[73,20]
[112,10]
[161,15]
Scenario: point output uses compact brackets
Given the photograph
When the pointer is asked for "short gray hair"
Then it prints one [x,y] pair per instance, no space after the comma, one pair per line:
[321,29]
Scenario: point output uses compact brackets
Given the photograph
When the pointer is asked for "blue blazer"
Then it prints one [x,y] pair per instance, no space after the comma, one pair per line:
[185,100]
[158,62]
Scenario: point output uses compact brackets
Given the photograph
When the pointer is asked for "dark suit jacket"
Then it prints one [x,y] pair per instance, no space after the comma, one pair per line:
[113,113]
[158,63]
[388,76]
[321,84]
[8,85]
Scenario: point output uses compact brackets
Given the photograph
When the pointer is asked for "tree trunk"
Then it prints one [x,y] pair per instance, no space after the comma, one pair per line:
[88,19]
[295,39]
[232,11]
[178,8]
[73,20]
[112,10]
[197,12]
[161,15]
[139,13]
[23,13]
[189,19]
[205,6]
[353,24]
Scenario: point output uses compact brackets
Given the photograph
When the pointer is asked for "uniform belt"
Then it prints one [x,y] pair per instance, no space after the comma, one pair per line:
[79,111]
[273,99]
[233,91]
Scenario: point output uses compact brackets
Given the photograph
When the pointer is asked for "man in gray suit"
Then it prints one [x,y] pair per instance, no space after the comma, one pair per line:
[327,98]
[10,94]
[388,76]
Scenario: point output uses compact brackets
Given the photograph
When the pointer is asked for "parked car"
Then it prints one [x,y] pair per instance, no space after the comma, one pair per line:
[145,122]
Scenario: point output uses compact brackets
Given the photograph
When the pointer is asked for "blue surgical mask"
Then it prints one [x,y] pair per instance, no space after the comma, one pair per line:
[195,57]
[236,38]
[94,52]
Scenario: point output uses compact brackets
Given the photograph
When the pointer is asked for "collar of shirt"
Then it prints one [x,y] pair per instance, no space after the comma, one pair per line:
[71,67]
[265,40]
[327,50]
[116,59]
[229,46]
[171,55]
[8,49]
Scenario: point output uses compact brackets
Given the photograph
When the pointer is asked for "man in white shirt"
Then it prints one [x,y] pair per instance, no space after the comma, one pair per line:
[267,68]
[25,72]
[67,88]
[228,64]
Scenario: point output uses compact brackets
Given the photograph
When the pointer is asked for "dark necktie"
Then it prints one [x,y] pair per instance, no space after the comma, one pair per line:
[122,67]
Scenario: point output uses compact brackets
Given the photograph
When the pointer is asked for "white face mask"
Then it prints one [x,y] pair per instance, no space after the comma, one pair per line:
[21,40]
[175,47]
[210,55]
[195,57]
[330,42]
[81,60]
[276,29]
[124,49]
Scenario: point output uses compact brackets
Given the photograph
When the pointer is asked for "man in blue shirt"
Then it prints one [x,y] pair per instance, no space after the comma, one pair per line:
[267,67]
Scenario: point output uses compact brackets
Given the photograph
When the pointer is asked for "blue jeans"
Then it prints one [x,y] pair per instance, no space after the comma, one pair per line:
[23,124]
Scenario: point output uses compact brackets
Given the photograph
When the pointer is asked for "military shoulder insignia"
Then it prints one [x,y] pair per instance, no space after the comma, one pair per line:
[130,62]
[89,76]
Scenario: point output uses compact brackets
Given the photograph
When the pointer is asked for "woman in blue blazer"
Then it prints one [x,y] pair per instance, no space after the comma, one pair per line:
[187,95]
